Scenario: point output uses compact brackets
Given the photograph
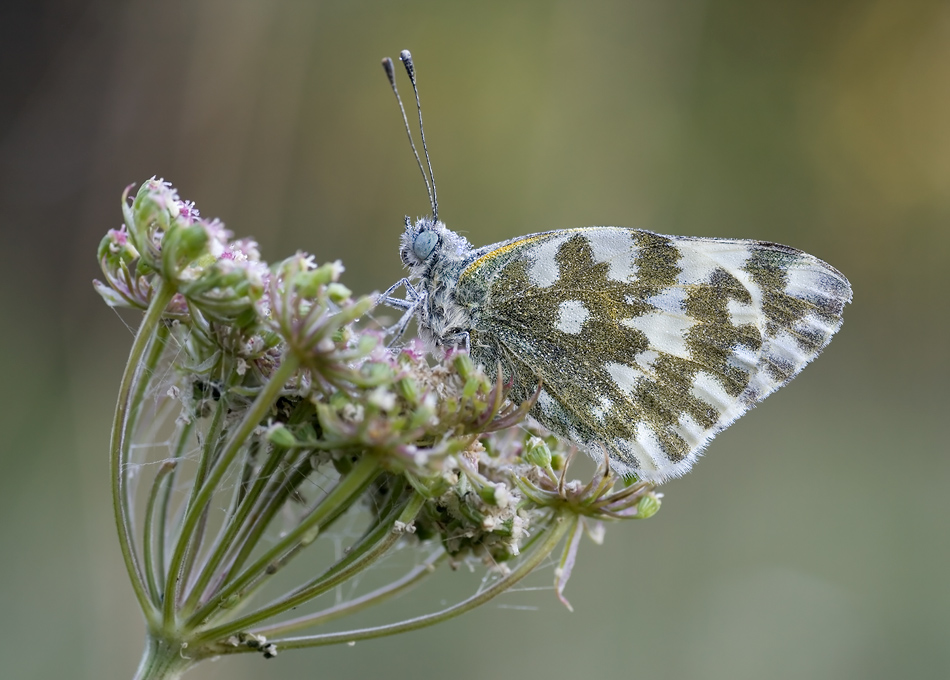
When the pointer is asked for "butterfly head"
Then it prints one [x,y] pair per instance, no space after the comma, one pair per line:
[427,242]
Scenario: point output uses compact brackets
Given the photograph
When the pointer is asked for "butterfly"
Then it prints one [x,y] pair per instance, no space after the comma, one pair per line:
[645,346]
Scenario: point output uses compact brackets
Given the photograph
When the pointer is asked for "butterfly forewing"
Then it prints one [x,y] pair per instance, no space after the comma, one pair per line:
[647,345]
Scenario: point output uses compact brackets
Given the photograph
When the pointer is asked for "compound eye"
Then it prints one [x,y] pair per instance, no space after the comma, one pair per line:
[424,244]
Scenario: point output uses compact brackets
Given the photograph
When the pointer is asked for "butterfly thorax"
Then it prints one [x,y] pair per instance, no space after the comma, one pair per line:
[436,256]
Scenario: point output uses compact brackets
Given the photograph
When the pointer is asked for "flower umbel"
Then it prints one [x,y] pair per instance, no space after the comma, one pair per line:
[287,417]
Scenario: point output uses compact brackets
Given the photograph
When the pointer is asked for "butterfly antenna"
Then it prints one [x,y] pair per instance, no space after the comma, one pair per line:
[406,58]
[390,73]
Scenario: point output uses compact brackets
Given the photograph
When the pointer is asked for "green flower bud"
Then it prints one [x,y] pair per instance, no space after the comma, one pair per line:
[180,247]
[310,536]
[382,399]
[327,273]
[116,247]
[408,390]
[366,344]
[309,283]
[537,453]
[155,204]
[338,292]
[495,495]
[421,416]
[280,436]
[377,373]
[471,387]
[338,400]
[436,486]
[648,506]
[464,365]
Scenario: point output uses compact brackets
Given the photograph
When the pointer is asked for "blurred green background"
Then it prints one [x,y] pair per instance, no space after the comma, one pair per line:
[811,541]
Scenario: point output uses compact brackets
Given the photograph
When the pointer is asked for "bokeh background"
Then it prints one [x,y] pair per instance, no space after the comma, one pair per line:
[811,541]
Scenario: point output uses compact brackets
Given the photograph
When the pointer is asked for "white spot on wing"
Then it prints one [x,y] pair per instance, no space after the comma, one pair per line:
[544,270]
[701,257]
[672,300]
[603,408]
[784,348]
[665,332]
[617,248]
[694,263]
[625,377]
[804,282]
[813,323]
[692,432]
[632,448]
[708,389]
[571,315]
[731,255]
[647,357]
[547,403]
[760,386]
[650,444]
[741,314]
[743,358]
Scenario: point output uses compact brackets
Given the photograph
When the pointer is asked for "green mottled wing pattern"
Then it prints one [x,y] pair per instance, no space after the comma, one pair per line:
[646,345]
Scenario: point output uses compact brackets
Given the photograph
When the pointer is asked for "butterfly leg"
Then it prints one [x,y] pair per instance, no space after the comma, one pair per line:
[387,297]
[411,305]
[460,340]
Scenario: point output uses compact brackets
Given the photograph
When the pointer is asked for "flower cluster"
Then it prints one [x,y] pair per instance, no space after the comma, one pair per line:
[276,385]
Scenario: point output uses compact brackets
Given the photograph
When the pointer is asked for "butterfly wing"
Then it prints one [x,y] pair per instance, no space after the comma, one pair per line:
[646,345]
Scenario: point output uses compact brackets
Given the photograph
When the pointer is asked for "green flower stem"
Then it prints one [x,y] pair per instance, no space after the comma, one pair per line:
[273,499]
[367,551]
[184,435]
[153,538]
[377,596]
[191,555]
[255,414]
[211,441]
[341,497]
[121,437]
[247,473]
[278,489]
[285,488]
[560,523]
[282,489]
[156,348]
[162,660]
[369,548]
[226,538]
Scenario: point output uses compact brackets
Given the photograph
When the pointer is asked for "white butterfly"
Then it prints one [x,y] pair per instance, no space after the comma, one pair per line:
[645,346]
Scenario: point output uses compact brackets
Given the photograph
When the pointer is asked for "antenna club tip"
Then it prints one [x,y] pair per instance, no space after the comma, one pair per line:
[406,58]
[388,68]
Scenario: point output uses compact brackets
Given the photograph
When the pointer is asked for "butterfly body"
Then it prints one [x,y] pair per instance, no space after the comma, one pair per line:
[645,346]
